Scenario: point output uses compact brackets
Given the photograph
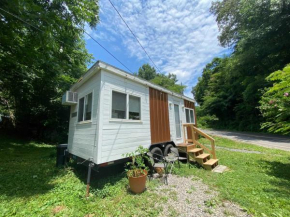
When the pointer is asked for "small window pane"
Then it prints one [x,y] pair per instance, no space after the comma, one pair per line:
[134,108]
[118,105]
[81,109]
[88,107]
[191,116]
[187,115]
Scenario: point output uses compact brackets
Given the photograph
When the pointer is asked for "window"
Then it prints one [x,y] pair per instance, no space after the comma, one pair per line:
[85,108]
[189,113]
[134,108]
[81,109]
[88,107]
[120,105]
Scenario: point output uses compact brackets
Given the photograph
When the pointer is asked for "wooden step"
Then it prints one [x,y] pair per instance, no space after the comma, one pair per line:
[183,144]
[202,158]
[195,150]
[210,164]
[185,147]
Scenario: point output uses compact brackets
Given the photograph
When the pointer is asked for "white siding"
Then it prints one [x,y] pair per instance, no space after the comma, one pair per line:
[83,138]
[120,137]
[174,100]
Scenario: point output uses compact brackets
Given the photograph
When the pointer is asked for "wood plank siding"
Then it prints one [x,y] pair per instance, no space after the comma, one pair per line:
[159,116]
[188,104]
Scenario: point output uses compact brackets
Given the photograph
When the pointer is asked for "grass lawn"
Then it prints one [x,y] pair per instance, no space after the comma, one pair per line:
[31,185]
[260,183]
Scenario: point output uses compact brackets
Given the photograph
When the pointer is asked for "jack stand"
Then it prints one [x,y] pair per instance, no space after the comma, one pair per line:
[89,178]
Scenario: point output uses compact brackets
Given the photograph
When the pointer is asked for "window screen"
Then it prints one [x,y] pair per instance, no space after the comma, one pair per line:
[88,107]
[81,109]
[191,116]
[187,115]
[134,108]
[118,105]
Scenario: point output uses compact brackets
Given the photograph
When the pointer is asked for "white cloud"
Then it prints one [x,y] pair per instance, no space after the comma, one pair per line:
[180,36]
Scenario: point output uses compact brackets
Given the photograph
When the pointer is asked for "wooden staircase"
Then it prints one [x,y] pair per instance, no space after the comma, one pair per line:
[195,150]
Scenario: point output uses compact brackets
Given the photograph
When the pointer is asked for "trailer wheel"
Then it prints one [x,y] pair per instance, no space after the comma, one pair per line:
[157,153]
[167,149]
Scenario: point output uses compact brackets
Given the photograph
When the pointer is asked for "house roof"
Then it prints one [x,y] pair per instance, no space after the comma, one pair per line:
[112,69]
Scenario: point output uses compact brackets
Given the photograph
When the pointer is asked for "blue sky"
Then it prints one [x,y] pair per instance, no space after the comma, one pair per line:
[179,35]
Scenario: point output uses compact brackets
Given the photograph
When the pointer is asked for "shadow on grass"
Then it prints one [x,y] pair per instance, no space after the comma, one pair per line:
[26,168]
[281,185]
[105,181]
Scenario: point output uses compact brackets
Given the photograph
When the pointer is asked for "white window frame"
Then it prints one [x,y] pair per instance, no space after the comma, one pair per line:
[191,122]
[127,107]
[84,106]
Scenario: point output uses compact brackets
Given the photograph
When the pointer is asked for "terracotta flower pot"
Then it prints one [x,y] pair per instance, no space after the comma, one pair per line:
[138,184]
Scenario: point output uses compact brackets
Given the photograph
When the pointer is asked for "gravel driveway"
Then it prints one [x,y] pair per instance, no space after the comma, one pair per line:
[268,141]
[190,197]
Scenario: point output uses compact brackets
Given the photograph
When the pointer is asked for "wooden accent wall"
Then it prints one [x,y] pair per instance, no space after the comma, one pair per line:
[159,116]
[188,104]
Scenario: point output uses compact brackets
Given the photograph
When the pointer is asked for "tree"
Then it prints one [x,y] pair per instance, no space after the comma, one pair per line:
[168,81]
[258,33]
[199,91]
[36,67]
[275,102]
[147,72]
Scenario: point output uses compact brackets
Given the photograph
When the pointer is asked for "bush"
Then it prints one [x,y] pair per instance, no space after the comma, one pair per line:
[275,103]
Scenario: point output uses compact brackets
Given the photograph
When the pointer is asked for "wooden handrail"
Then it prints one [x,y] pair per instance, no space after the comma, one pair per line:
[195,130]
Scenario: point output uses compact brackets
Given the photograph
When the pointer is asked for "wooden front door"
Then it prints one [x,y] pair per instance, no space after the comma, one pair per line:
[159,116]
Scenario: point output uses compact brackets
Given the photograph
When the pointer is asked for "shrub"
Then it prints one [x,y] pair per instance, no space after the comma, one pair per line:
[275,102]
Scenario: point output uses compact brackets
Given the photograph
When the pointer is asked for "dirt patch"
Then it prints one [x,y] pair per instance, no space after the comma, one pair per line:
[58,209]
[191,197]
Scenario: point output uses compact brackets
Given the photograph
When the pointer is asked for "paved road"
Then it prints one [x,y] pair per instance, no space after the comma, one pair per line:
[269,141]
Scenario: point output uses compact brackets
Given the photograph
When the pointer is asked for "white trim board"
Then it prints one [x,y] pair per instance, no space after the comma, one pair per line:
[112,69]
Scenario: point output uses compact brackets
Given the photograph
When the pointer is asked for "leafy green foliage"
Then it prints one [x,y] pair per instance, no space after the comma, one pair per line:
[36,67]
[260,183]
[205,120]
[167,81]
[137,167]
[258,33]
[275,102]
[147,72]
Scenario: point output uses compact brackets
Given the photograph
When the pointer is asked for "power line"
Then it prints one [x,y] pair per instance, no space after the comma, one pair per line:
[107,51]
[134,35]
[17,17]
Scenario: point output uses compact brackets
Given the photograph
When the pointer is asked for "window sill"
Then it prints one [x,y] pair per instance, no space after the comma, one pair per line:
[85,122]
[125,121]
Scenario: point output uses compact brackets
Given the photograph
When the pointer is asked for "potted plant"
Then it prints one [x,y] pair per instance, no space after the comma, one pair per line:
[137,170]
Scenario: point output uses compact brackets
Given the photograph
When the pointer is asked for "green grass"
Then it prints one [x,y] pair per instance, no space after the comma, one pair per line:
[260,183]
[31,185]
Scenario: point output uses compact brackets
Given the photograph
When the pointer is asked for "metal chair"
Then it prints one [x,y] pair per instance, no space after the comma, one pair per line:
[176,153]
[158,164]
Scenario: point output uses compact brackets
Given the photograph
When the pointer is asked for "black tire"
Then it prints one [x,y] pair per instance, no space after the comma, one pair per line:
[167,149]
[157,153]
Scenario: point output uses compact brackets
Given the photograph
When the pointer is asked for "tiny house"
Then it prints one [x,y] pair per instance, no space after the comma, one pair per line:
[113,112]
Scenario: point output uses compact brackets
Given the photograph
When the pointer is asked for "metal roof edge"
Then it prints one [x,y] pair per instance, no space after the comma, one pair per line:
[107,67]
